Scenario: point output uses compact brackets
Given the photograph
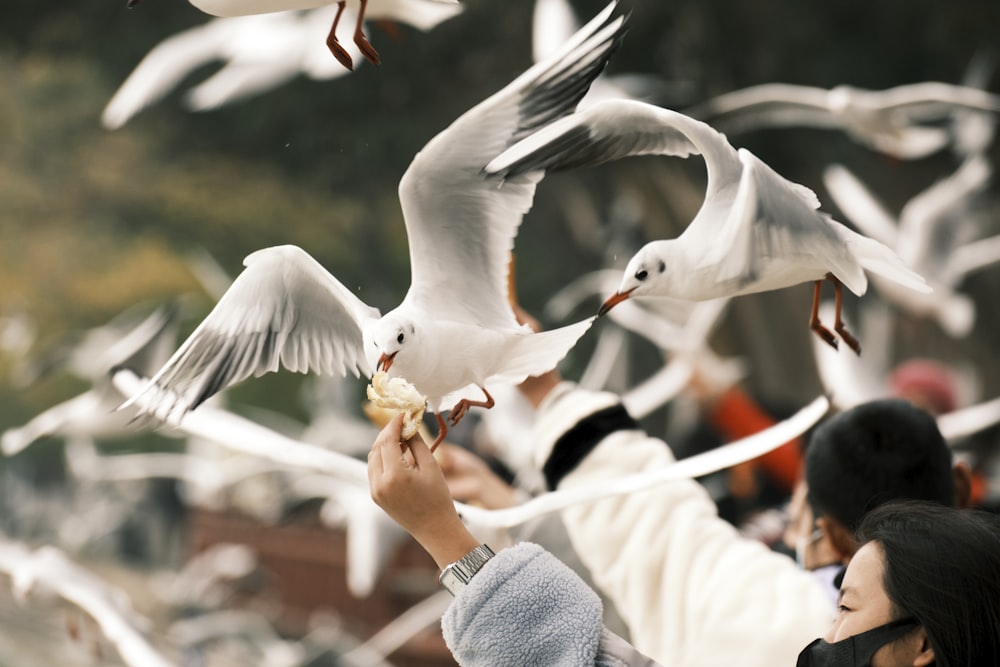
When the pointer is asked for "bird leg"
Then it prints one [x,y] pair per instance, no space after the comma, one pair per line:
[371,55]
[814,322]
[338,51]
[838,324]
[457,412]
[442,431]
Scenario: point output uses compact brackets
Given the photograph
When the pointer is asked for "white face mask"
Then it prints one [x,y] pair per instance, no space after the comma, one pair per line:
[856,651]
[803,543]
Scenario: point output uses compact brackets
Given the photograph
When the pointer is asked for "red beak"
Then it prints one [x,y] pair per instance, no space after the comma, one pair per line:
[614,300]
[384,362]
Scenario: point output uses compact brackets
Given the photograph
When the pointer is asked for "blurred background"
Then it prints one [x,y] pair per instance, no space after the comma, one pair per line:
[96,222]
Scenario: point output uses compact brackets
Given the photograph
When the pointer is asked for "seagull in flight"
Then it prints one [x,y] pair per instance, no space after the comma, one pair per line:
[755,231]
[892,121]
[259,52]
[455,329]
[402,9]
[931,235]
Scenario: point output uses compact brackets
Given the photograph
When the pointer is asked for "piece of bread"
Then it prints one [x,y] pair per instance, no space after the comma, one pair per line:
[394,395]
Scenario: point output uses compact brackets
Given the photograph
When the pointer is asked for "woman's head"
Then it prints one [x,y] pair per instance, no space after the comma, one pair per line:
[936,566]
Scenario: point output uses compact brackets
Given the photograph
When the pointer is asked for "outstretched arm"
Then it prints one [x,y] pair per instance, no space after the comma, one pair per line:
[406,481]
[523,607]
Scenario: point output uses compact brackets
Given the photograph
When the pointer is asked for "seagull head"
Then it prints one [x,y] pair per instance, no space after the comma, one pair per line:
[643,270]
[390,336]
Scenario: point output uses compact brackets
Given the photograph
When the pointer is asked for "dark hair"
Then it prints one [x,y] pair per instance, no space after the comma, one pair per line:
[942,567]
[873,453]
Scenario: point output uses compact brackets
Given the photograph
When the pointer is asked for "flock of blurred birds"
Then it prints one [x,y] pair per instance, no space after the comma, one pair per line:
[263,464]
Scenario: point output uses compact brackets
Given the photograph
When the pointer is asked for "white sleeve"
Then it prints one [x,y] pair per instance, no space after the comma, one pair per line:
[693,592]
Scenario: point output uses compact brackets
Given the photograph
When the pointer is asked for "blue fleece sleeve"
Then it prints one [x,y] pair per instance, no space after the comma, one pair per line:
[524,607]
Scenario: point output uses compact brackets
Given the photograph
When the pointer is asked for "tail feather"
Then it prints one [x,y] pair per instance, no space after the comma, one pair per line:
[540,352]
[880,259]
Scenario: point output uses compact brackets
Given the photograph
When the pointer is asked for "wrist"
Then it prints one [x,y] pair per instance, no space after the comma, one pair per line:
[448,542]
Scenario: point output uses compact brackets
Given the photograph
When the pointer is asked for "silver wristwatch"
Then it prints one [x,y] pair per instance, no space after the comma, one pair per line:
[456,576]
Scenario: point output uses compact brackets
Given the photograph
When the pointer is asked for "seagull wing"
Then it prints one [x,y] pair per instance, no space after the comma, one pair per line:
[922,217]
[933,99]
[553,22]
[606,131]
[163,69]
[859,205]
[237,81]
[971,257]
[285,310]
[460,225]
[774,217]
[767,105]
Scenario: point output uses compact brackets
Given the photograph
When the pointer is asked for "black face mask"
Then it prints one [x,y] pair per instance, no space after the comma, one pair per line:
[856,651]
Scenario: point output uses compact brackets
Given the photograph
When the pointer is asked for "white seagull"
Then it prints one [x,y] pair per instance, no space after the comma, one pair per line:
[416,12]
[892,121]
[143,347]
[455,329]
[49,569]
[259,53]
[755,230]
[931,235]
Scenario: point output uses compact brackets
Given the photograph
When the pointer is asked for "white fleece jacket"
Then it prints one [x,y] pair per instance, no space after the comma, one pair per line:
[692,591]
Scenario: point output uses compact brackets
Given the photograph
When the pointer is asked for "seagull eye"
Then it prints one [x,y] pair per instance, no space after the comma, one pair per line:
[641,275]
[399,339]
[663,267]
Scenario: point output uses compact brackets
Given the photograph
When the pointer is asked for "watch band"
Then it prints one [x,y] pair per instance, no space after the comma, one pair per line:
[456,576]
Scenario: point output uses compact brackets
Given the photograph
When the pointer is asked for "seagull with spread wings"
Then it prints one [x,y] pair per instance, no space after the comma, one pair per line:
[897,121]
[755,231]
[258,52]
[369,8]
[932,235]
[455,330]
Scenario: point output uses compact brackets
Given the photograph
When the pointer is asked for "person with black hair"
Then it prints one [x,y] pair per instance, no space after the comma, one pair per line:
[876,452]
[922,589]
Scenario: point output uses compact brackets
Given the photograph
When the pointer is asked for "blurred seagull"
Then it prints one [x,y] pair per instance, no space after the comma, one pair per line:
[888,121]
[49,569]
[260,52]
[422,14]
[143,347]
[455,329]
[974,131]
[848,382]
[755,230]
[928,237]
[239,434]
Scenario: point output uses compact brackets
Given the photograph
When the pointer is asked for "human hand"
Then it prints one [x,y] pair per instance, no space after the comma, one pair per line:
[471,480]
[405,480]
